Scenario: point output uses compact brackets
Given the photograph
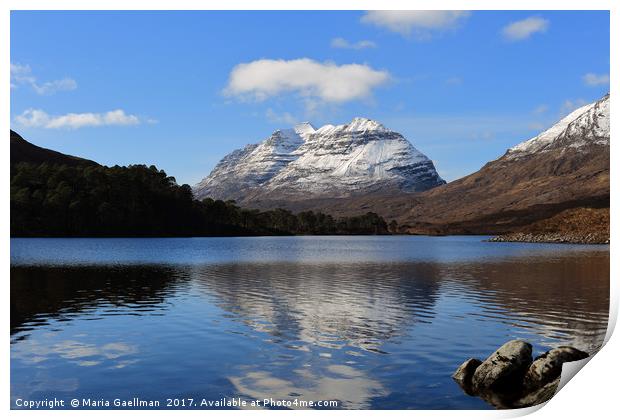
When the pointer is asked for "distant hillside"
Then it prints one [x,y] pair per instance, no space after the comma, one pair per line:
[23,151]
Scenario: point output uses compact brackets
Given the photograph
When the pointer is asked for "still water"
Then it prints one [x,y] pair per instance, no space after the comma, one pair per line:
[371,322]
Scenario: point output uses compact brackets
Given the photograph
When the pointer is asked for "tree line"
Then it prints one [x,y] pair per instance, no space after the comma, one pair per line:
[138,200]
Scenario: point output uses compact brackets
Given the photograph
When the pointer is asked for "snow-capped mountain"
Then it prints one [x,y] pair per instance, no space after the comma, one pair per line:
[332,161]
[254,165]
[586,126]
[564,167]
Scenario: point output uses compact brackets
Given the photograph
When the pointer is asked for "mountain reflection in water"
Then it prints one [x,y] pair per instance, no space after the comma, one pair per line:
[370,335]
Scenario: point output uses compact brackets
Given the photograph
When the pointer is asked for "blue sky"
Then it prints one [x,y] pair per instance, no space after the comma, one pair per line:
[182,89]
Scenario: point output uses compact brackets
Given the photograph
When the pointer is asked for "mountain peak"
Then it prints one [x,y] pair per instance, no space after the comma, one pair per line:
[357,125]
[298,134]
[365,124]
[333,161]
[304,128]
[588,124]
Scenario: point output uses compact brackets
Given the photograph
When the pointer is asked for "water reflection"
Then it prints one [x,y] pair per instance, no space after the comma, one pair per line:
[561,299]
[350,387]
[78,352]
[360,305]
[368,334]
[42,294]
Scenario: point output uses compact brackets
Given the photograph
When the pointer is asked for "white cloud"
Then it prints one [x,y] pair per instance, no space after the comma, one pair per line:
[22,75]
[523,29]
[20,72]
[419,22]
[118,117]
[33,118]
[359,45]
[41,119]
[592,79]
[310,79]
[49,88]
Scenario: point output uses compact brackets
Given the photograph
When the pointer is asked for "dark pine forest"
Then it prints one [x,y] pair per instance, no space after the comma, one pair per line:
[59,195]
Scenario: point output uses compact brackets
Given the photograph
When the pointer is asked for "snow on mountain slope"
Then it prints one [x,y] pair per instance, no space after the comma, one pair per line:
[584,126]
[360,155]
[253,165]
[330,161]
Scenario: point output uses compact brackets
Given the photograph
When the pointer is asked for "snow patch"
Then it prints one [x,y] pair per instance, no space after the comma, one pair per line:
[588,124]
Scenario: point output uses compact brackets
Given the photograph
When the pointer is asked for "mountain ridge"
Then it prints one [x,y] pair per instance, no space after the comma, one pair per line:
[333,160]
[532,181]
[24,151]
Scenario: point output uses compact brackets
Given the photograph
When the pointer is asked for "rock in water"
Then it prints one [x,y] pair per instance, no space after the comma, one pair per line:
[464,374]
[509,379]
[504,368]
[548,366]
[537,396]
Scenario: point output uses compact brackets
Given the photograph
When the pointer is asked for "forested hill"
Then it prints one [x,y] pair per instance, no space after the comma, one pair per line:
[53,194]
[23,151]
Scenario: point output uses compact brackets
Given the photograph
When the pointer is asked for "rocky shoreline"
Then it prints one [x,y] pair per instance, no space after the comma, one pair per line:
[558,238]
[510,378]
[580,225]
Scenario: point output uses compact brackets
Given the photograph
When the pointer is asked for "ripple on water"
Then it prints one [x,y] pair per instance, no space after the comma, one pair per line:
[382,334]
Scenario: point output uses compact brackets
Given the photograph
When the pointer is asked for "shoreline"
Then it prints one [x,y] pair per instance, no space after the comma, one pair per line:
[554,238]
[550,238]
